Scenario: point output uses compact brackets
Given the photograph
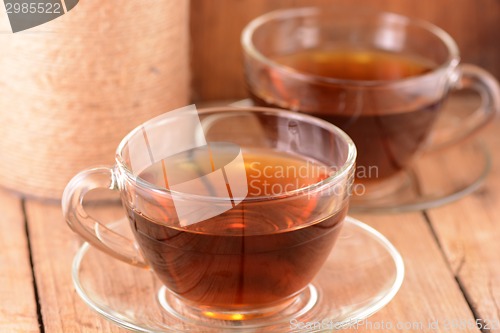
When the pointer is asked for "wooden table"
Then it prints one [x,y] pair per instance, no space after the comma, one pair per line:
[452,257]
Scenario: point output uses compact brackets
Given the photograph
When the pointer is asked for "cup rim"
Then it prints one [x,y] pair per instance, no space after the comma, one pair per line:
[281,14]
[335,177]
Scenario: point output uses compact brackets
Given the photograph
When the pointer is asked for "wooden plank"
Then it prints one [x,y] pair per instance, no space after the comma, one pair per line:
[54,246]
[468,232]
[429,297]
[217,63]
[18,311]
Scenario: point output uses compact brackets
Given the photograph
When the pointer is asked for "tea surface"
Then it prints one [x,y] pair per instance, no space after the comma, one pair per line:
[357,65]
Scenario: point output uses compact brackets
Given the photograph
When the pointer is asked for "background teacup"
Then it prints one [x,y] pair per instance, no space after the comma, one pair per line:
[380,77]
[235,211]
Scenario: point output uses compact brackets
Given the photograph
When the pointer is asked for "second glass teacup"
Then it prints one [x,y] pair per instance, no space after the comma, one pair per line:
[381,77]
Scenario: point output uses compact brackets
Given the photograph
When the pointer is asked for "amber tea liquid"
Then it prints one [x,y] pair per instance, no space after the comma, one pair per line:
[386,138]
[259,253]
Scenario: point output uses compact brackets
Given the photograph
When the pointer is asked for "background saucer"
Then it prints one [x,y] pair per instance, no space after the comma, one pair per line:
[436,177]
[356,282]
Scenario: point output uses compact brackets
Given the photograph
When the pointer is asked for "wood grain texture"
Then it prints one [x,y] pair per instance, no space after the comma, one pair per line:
[216,26]
[429,291]
[468,231]
[17,297]
[54,246]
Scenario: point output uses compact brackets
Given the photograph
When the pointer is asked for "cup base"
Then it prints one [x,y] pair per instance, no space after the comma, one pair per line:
[217,317]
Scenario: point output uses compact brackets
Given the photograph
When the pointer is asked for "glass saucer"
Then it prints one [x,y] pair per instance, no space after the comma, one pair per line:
[435,178]
[362,274]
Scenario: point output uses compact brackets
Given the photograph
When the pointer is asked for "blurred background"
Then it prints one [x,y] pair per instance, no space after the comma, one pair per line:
[74,86]
[216,57]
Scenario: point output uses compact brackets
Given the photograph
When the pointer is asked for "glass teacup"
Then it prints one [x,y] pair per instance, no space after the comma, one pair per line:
[380,77]
[234,209]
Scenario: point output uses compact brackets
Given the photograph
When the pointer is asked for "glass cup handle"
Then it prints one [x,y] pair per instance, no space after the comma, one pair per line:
[94,232]
[474,78]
